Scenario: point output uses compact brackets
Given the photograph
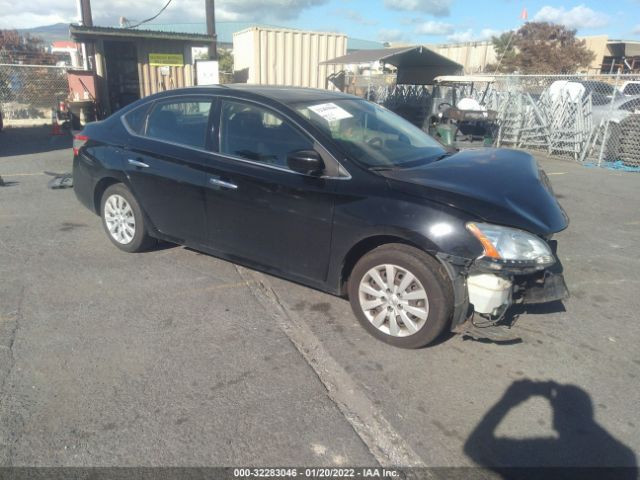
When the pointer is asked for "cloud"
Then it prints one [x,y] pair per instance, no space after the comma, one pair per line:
[34,13]
[434,28]
[437,8]
[391,35]
[636,31]
[470,36]
[461,37]
[488,33]
[355,16]
[20,20]
[578,17]
[260,9]
[107,12]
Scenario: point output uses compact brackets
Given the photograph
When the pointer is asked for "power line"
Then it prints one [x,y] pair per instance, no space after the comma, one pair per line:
[151,18]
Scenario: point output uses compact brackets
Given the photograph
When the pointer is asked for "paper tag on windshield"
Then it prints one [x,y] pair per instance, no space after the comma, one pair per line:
[330,112]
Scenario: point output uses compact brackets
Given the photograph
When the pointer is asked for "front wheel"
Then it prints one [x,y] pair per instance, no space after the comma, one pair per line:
[401,295]
[123,221]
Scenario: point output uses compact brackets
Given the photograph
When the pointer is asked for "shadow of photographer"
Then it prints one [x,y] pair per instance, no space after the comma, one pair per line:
[580,442]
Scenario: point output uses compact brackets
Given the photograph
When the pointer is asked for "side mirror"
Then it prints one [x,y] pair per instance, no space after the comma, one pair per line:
[307,162]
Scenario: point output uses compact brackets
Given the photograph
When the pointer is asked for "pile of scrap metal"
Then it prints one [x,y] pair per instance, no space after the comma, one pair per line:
[411,102]
[60,180]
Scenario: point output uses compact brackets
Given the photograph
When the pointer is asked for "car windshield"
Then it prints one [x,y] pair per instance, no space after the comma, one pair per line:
[371,134]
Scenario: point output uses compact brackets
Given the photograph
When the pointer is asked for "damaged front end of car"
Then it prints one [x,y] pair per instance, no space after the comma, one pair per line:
[516,268]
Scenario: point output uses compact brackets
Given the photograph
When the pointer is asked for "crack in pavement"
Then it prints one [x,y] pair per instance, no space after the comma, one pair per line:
[9,423]
[388,447]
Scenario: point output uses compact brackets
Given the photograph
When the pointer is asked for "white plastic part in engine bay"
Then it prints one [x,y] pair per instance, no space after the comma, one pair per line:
[488,292]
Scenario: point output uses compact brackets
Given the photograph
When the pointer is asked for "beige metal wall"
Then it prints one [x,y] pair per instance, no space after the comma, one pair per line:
[151,80]
[286,57]
[598,45]
[473,56]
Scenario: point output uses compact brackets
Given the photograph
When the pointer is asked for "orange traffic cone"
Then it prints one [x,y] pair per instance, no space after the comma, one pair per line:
[55,128]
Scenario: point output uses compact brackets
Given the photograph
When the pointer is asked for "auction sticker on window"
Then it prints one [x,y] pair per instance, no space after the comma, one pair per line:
[330,112]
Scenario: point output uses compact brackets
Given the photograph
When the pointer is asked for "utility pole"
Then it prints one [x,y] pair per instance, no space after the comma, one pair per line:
[211,28]
[85,13]
[86,19]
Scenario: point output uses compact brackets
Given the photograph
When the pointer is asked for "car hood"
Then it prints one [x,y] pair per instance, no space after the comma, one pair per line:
[500,186]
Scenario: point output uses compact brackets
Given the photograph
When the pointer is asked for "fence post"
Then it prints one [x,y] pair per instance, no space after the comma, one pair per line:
[606,124]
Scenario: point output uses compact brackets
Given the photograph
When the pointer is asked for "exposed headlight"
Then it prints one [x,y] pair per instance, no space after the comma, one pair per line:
[512,246]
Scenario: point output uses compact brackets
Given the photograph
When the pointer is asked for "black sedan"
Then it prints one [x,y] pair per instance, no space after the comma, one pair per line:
[333,192]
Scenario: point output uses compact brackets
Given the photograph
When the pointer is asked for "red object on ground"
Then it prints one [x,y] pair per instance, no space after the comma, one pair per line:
[55,129]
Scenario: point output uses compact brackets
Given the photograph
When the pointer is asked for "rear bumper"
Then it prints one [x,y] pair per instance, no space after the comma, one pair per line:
[83,183]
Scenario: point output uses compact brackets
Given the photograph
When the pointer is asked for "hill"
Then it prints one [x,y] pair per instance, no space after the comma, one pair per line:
[49,33]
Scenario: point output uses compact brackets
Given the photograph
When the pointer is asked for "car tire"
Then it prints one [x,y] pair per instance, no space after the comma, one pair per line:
[409,312]
[123,220]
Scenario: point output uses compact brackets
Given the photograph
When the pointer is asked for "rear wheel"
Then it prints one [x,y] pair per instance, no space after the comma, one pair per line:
[401,295]
[123,221]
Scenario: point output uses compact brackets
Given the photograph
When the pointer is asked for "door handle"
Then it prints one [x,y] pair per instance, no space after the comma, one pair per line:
[137,163]
[221,183]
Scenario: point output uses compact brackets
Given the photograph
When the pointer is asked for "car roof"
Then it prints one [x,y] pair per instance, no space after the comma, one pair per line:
[281,94]
[290,95]
[618,102]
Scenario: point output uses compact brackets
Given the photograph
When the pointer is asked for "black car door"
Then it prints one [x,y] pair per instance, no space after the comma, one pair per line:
[257,208]
[166,166]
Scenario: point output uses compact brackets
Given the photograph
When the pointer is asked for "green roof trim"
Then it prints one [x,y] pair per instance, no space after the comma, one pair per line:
[85,31]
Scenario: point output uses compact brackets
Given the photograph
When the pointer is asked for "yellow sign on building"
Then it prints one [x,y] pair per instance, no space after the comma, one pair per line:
[166,59]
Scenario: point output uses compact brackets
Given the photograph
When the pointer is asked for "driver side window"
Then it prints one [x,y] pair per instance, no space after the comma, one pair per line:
[256,133]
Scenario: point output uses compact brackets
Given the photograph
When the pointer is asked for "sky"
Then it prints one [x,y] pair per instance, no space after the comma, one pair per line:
[411,21]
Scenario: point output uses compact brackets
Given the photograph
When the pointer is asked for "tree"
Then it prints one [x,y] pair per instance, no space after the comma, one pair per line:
[541,47]
[505,52]
[225,61]
[16,48]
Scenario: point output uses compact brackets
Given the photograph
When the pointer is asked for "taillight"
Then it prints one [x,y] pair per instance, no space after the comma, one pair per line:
[78,142]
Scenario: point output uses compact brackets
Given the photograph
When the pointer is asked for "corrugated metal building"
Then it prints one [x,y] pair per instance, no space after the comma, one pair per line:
[474,56]
[609,55]
[131,64]
[277,56]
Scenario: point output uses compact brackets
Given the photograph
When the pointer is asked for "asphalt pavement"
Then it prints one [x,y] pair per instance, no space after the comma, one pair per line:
[173,357]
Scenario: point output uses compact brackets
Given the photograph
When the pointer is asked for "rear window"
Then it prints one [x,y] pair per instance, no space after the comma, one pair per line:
[135,119]
[180,121]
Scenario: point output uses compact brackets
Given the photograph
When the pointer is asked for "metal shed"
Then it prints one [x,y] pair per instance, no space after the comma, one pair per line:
[278,56]
[131,64]
[416,65]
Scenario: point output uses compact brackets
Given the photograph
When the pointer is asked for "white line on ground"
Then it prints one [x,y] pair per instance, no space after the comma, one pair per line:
[22,174]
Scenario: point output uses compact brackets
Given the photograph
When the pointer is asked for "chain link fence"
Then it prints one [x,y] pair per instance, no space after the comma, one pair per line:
[28,93]
[589,118]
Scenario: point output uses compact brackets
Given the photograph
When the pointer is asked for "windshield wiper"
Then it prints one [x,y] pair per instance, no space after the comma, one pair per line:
[442,156]
[381,168]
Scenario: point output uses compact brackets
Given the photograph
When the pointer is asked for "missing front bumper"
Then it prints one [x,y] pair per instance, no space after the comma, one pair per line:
[550,287]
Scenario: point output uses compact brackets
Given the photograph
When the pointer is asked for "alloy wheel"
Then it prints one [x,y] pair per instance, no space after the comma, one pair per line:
[119,218]
[393,300]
